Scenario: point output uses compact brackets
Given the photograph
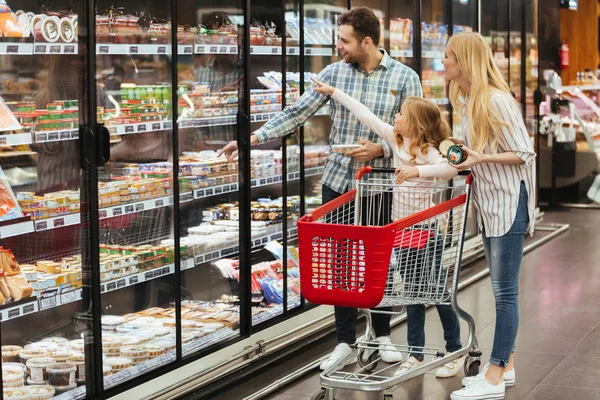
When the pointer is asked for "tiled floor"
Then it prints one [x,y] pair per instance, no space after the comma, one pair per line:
[558,346]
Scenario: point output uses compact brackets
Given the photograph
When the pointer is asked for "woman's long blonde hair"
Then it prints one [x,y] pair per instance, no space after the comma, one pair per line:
[425,122]
[475,60]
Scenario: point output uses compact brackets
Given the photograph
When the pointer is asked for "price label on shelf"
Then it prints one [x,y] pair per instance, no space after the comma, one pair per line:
[12,49]
[14,313]
[28,309]
[48,302]
[162,50]
[40,49]
[133,280]
[133,49]
[68,297]
[55,49]
[139,207]
[121,283]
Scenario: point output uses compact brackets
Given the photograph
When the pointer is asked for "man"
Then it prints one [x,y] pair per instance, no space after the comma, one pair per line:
[368,74]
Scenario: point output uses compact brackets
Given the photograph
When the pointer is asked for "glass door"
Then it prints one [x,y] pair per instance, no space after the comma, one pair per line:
[210,83]
[320,51]
[402,23]
[434,36]
[45,298]
[135,188]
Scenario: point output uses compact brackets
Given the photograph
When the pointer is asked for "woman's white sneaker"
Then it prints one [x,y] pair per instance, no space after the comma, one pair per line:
[480,389]
[450,369]
[387,351]
[341,351]
[510,377]
[410,363]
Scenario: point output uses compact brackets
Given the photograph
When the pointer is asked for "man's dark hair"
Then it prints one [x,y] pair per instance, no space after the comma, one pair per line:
[365,23]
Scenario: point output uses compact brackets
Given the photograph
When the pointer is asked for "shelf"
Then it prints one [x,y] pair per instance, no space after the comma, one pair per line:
[232,250]
[401,53]
[15,139]
[441,102]
[38,137]
[134,208]
[261,117]
[129,129]
[214,49]
[257,182]
[24,307]
[140,277]
[55,48]
[16,229]
[209,121]
[583,88]
[16,48]
[433,54]
[291,50]
[38,48]
[56,136]
[133,49]
[56,222]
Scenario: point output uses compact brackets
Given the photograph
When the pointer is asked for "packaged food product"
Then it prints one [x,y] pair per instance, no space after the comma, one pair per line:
[11,354]
[61,356]
[19,287]
[41,392]
[107,370]
[15,394]
[79,362]
[118,363]
[8,22]
[38,369]
[56,339]
[77,345]
[42,347]
[26,355]
[15,367]
[61,375]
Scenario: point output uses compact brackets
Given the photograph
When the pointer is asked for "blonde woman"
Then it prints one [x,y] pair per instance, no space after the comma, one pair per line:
[501,157]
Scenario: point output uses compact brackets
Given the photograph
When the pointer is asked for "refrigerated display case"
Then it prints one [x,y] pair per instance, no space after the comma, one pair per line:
[129,249]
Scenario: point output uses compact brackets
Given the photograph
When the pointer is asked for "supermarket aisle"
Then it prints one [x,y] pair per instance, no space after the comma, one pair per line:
[558,348]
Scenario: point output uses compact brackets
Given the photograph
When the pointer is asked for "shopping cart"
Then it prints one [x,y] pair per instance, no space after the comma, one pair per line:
[386,245]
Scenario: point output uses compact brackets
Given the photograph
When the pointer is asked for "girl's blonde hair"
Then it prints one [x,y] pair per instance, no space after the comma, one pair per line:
[425,122]
[475,60]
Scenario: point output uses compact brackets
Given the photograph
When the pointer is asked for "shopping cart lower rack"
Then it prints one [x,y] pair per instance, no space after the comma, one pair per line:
[386,245]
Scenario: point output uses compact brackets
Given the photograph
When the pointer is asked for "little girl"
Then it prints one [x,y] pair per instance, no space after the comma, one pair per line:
[417,132]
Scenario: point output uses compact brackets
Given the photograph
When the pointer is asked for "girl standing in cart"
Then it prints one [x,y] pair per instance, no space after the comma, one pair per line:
[418,130]
[501,158]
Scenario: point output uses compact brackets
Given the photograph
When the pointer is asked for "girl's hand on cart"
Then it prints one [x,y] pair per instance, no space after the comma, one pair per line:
[473,158]
[405,173]
[323,88]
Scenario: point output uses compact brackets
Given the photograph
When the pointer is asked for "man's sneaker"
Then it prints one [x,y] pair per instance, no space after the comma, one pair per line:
[388,353]
[509,376]
[450,369]
[341,351]
[480,389]
[410,363]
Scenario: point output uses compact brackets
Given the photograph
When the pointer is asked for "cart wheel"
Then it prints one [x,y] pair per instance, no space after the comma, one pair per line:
[369,360]
[320,395]
[388,397]
[471,366]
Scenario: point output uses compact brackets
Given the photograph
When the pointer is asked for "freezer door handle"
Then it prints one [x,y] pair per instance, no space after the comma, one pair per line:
[102,145]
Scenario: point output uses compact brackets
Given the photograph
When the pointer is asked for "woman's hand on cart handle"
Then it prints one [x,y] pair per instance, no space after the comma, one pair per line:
[323,87]
[473,158]
[405,173]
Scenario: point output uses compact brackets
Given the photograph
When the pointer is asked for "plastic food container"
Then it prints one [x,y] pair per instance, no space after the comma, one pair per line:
[57,340]
[134,352]
[14,367]
[61,376]
[110,322]
[11,353]
[154,350]
[15,394]
[27,355]
[42,347]
[38,369]
[61,356]
[111,343]
[118,363]
[77,345]
[12,376]
[79,362]
[42,392]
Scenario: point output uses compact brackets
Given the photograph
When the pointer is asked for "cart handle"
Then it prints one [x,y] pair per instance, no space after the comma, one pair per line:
[379,170]
[375,170]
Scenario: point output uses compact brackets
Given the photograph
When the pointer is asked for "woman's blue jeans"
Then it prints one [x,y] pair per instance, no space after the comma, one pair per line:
[504,255]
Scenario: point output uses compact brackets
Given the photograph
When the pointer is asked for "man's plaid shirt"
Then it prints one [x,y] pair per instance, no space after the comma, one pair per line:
[373,90]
